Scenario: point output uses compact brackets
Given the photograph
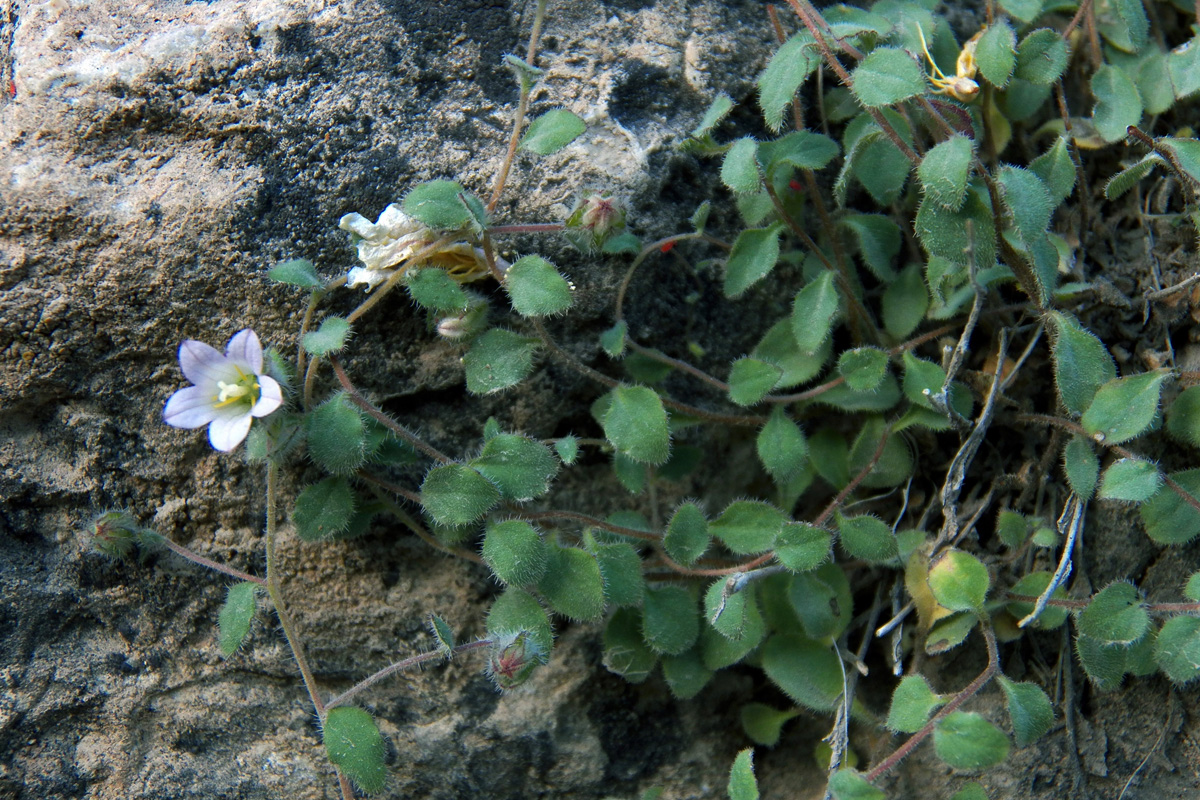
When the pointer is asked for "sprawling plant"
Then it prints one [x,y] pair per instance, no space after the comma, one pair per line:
[910,204]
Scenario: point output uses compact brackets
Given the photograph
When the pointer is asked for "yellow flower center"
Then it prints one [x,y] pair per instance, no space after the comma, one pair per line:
[244,390]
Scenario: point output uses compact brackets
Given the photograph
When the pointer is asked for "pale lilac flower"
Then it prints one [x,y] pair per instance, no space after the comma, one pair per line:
[229,390]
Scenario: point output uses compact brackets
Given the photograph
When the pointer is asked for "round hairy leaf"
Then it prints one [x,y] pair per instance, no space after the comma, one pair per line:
[1192,588]
[1027,201]
[354,744]
[748,526]
[995,53]
[687,534]
[572,583]
[498,359]
[863,368]
[686,674]
[781,446]
[670,619]
[1169,519]
[1115,615]
[621,570]
[515,552]
[1177,648]
[879,241]
[521,468]
[455,494]
[636,424]
[437,204]
[754,254]
[1131,480]
[1125,407]
[236,614]
[1103,663]
[1183,418]
[813,312]
[944,171]
[297,272]
[750,379]
[912,703]
[1118,104]
[718,109]
[1081,362]
[552,131]
[868,538]
[727,611]
[1012,528]
[536,288]
[625,651]
[965,740]
[1081,465]
[959,581]
[337,434]
[849,784]
[764,724]
[739,170]
[1029,709]
[802,547]
[792,63]
[808,672]
[1042,57]
[1056,170]
[895,463]
[719,651]
[517,610]
[944,233]
[905,302]
[434,289]
[973,791]
[778,346]
[328,338]
[888,75]
[324,510]
[613,340]
[822,601]
[742,784]
[801,149]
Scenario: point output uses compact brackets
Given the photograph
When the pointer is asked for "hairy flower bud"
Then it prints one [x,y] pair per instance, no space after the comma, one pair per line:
[512,658]
[594,219]
[113,533]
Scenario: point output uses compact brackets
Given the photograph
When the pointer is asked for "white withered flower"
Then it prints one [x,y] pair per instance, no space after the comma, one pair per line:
[229,390]
[383,244]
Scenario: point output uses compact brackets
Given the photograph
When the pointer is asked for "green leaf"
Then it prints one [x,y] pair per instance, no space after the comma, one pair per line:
[1177,648]
[1033,585]
[905,302]
[353,743]
[1183,64]
[612,341]
[799,149]
[944,233]
[887,75]
[874,160]
[455,494]
[517,610]
[1183,417]
[1118,104]
[1056,170]
[1026,11]
[687,534]
[625,651]
[779,347]
[236,614]
[1103,663]
[520,467]
[944,171]
[959,581]
[1081,466]
[822,601]
[1191,589]
[912,703]
[437,205]
[973,791]
[848,784]
[329,338]
[1081,362]
[686,674]
[748,526]
[863,368]
[1127,178]
[636,424]
[965,740]
[1125,407]
[755,252]
[337,435]
[551,132]
[297,272]
[764,724]
[1134,23]
[671,621]
[792,63]
[621,570]
[515,552]
[1169,519]
[1027,200]
[567,449]
[442,633]
[727,613]
[719,652]
[949,632]
[1131,480]
[742,784]
[895,463]
[717,111]
[323,510]
[878,240]
[1115,616]
[813,313]
[996,53]
[802,547]
[867,538]
[498,359]
[751,379]
[572,583]
[536,288]
[781,446]
[1187,154]
[1012,528]
[739,170]
[435,290]
[807,672]
[1029,709]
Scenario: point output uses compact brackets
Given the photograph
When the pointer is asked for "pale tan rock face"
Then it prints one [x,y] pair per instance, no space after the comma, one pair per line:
[155,160]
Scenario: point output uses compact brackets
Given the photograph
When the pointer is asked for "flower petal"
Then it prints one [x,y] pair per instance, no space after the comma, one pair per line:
[270,397]
[245,349]
[226,433]
[203,365]
[190,408]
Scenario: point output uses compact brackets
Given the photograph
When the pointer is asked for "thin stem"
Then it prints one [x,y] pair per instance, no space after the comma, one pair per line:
[966,694]
[837,501]
[384,419]
[273,591]
[595,522]
[412,661]
[208,562]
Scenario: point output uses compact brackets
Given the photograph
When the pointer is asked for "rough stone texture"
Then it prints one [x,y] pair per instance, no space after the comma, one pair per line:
[155,160]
